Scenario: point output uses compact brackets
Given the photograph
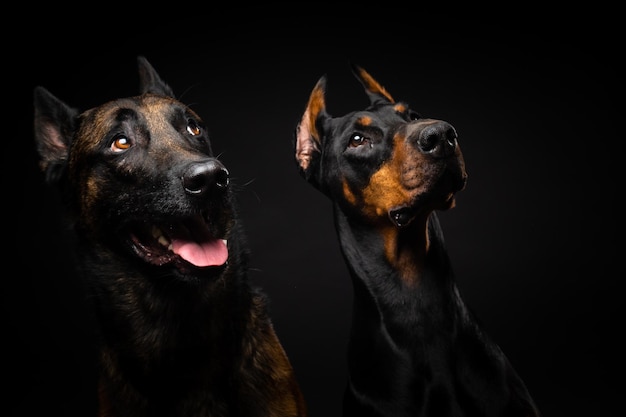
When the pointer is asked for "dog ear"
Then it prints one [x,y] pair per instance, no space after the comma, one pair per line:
[376,92]
[149,80]
[309,134]
[54,128]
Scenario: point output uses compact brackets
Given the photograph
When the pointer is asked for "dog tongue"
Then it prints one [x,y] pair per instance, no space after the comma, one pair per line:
[211,252]
[205,250]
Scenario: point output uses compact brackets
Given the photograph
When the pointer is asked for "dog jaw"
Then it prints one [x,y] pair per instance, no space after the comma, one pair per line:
[183,243]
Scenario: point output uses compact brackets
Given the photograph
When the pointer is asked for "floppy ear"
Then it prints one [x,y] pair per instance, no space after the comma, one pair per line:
[54,125]
[149,80]
[376,92]
[309,134]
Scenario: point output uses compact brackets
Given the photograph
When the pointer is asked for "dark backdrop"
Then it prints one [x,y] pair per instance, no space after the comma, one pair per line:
[535,238]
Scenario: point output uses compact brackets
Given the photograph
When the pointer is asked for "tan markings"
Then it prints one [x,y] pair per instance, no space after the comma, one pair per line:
[390,242]
[348,194]
[412,249]
[396,184]
[89,195]
[400,108]
[154,113]
[314,108]
[365,120]
[373,86]
[405,249]
[307,137]
[385,189]
[264,355]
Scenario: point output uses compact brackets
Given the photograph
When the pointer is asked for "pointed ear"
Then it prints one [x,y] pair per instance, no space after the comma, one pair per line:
[376,92]
[149,80]
[308,134]
[54,124]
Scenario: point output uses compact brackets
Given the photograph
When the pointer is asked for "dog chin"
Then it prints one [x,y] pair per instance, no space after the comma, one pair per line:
[403,216]
[188,271]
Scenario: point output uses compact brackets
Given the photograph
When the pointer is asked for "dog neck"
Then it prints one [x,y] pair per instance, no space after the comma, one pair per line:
[406,326]
[400,272]
[408,253]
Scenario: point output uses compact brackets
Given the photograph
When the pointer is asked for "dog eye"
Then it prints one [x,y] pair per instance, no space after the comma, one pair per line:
[120,143]
[357,140]
[193,128]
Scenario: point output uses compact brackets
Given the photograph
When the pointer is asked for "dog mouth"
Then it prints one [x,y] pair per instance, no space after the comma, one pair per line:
[424,203]
[189,241]
[402,216]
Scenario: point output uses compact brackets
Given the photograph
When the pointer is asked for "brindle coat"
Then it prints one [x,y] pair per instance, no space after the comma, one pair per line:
[182,331]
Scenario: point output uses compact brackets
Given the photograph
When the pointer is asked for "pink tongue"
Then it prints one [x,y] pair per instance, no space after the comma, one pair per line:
[210,253]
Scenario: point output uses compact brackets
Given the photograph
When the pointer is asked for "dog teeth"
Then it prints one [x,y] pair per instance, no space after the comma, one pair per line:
[160,237]
[163,241]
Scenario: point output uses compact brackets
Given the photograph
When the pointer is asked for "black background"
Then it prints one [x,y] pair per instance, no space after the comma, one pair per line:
[535,238]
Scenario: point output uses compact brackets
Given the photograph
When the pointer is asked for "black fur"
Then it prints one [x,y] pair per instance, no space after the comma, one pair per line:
[181,330]
[414,349]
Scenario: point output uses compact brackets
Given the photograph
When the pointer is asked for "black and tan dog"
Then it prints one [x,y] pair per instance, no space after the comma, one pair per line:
[183,332]
[414,348]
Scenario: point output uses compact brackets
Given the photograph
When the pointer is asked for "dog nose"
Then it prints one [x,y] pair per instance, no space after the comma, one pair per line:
[202,177]
[438,139]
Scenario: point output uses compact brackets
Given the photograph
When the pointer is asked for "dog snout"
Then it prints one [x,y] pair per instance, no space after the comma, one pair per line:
[204,176]
[438,139]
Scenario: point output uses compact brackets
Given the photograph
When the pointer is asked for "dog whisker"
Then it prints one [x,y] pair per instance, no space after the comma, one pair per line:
[166,285]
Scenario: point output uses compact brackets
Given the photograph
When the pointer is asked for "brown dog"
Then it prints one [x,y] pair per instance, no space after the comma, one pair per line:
[415,349]
[182,332]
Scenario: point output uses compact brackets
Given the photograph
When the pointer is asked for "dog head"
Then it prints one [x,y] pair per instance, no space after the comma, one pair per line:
[139,177]
[385,163]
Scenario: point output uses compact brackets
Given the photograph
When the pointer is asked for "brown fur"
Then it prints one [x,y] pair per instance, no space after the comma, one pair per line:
[181,330]
[415,350]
